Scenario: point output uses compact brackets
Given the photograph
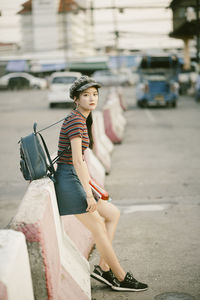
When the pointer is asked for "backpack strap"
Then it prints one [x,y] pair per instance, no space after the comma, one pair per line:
[51,167]
[51,162]
[34,128]
[59,155]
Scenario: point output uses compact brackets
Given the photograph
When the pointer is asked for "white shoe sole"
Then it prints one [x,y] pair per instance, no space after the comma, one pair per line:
[121,289]
[100,278]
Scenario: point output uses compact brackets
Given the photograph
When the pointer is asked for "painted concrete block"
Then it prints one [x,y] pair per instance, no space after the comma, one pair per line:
[113,117]
[15,274]
[109,127]
[57,266]
[99,148]
[100,135]
[95,167]
[84,241]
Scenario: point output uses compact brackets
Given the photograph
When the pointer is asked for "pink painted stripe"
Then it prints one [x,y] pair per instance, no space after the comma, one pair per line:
[79,234]
[109,127]
[3,291]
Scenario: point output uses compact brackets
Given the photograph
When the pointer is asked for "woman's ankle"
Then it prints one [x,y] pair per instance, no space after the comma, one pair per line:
[104,267]
[120,276]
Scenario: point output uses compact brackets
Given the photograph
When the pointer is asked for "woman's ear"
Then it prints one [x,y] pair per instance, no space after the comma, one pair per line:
[76,101]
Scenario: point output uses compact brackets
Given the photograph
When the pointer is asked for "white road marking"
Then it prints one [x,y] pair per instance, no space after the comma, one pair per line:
[150,116]
[144,207]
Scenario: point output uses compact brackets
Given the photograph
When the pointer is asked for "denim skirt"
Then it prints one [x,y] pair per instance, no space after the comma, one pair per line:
[71,196]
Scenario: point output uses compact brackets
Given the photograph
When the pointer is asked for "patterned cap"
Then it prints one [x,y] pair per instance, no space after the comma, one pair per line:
[81,84]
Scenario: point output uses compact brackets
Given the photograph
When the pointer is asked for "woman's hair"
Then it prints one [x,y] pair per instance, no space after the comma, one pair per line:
[89,121]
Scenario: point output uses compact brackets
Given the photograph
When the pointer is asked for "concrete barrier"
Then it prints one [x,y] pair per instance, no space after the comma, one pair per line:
[114,97]
[15,275]
[122,101]
[59,270]
[99,131]
[95,167]
[100,140]
[114,120]
[109,127]
[79,234]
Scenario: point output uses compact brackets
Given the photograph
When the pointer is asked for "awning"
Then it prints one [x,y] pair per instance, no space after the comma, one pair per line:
[17,66]
[88,66]
[48,67]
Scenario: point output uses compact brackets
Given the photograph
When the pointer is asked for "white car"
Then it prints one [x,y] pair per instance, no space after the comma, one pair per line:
[59,85]
[20,80]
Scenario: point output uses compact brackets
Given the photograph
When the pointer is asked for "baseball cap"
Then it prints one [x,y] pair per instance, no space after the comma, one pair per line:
[81,84]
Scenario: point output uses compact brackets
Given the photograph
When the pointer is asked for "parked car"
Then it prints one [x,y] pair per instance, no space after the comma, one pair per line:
[197,89]
[158,84]
[109,78]
[20,80]
[59,85]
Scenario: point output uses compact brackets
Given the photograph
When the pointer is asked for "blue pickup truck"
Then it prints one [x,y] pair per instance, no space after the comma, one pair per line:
[158,85]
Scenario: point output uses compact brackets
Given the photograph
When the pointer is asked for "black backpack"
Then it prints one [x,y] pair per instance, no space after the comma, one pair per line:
[35,162]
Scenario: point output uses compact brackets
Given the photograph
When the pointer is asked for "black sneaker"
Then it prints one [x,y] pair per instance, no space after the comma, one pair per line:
[106,277]
[129,284]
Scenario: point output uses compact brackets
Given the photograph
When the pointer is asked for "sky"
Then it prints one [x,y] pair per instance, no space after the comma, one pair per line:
[139,27]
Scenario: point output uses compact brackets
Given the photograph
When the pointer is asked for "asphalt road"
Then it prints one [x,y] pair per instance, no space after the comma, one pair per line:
[154,180]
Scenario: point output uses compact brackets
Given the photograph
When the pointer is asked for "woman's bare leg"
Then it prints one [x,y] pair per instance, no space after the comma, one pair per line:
[111,215]
[93,221]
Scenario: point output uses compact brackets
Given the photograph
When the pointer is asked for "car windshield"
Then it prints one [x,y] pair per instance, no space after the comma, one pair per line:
[64,79]
[103,73]
[167,62]
[154,77]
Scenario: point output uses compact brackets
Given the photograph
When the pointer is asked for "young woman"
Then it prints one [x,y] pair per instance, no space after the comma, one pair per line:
[74,194]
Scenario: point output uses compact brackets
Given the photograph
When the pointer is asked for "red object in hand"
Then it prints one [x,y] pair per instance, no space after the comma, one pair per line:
[99,190]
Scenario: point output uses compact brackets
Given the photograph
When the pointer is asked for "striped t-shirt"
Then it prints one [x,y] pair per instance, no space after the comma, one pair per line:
[73,126]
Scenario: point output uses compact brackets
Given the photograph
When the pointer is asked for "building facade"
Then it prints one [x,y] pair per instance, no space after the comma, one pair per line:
[63,26]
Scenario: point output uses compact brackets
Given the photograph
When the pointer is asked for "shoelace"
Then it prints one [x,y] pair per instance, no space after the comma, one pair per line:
[111,274]
[130,278]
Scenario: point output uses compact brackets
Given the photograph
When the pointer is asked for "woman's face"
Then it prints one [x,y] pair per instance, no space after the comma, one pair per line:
[87,100]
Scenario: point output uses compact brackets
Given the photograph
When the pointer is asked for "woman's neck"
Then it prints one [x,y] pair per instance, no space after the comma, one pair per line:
[85,113]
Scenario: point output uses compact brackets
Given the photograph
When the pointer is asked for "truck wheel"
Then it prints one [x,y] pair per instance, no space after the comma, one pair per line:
[174,104]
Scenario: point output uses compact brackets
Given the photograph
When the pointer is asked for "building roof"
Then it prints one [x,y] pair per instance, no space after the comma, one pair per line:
[67,5]
[27,7]
[64,6]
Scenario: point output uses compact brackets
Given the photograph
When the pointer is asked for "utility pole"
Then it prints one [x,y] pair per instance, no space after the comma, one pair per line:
[198,32]
[116,34]
[92,13]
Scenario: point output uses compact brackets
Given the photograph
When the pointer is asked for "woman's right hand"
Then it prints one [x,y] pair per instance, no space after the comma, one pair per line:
[92,204]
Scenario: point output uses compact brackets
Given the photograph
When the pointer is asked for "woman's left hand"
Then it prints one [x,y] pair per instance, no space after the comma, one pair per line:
[92,204]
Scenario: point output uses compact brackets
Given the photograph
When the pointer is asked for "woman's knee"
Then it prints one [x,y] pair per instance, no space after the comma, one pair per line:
[94,222]
[115,214]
